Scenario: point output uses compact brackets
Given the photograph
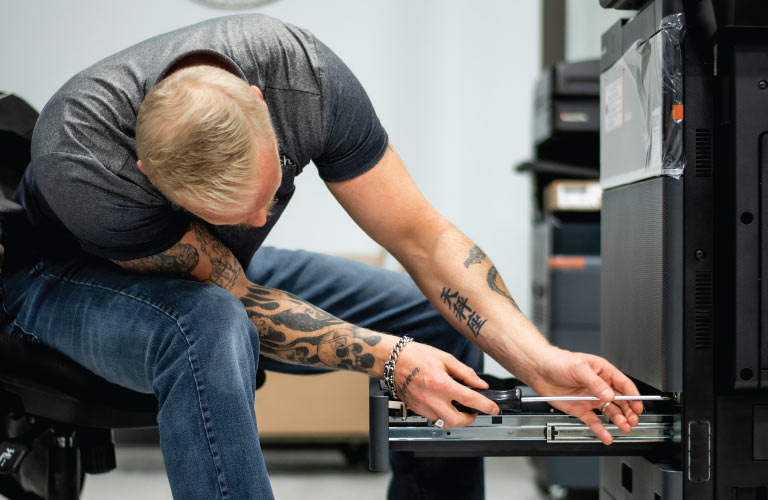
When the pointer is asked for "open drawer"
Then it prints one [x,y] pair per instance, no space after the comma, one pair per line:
[537,430]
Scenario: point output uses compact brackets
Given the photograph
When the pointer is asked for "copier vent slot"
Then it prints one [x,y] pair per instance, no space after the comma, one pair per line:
[704,308]
[704,156]
[626,477]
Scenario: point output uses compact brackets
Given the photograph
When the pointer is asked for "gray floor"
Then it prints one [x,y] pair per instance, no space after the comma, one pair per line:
[296,474]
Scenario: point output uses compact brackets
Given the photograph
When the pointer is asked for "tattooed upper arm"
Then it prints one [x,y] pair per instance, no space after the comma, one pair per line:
[179,260]
[199,255]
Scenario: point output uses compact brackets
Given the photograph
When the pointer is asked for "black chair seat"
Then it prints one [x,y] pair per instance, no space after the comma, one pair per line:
[54,387]
[74,410]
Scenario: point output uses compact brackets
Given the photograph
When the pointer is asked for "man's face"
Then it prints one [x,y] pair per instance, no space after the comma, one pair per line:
[257,207]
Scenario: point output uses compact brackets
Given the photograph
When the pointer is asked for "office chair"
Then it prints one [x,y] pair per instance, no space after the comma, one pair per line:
[57,420]
[56,417]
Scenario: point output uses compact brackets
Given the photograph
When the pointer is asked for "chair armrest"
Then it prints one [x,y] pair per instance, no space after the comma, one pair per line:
[16,234]
[9,208]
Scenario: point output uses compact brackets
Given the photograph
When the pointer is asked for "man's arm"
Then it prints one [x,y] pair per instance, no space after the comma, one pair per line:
[290,329]
[295,331]
[464,285]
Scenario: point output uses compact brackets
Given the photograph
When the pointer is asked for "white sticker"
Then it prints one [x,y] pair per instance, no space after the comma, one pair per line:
[654,162]
[613,103]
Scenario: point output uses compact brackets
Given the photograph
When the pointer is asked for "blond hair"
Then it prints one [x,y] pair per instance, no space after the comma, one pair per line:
[197,135]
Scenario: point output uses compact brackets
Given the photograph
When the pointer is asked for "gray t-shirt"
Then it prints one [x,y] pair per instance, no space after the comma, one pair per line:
[83,190]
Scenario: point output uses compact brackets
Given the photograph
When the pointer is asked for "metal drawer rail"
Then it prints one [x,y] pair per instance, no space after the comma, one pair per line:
[548,428]
[393,428]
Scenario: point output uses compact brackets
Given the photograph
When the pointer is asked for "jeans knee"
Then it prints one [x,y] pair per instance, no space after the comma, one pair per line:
[218,316]
[212,304]
[215,339]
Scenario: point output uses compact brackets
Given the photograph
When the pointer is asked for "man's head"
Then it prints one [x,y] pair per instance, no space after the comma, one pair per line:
[205,140]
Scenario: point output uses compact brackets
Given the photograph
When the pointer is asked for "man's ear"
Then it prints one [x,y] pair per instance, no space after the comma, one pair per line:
[258,91]
[138,164]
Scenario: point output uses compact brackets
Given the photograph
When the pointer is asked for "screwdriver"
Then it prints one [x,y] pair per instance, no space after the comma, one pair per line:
[512,400]
[546,399]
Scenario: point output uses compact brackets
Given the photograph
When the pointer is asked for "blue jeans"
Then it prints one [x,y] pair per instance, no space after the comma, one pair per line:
[193,346]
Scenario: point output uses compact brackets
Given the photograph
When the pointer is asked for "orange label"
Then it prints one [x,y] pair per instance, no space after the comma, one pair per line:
[677,111]
[566,262]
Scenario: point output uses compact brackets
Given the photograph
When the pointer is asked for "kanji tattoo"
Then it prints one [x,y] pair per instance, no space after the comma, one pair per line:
[460,307]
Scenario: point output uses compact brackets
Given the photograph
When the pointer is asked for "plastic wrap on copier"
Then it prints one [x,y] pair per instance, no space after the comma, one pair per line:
[641,103]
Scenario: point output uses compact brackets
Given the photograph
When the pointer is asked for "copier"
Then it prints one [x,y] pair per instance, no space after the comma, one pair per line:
[683,110]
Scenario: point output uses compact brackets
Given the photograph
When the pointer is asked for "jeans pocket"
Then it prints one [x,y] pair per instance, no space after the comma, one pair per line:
[37,269]
[19,332]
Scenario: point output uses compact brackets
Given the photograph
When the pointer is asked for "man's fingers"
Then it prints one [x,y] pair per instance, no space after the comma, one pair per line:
[626,410]
[584,374]
[616,415]
[620,382]
[475,400]
[454,418]
[625,385]
[587,376]
[459,370]
[596,426]
[448,413]
[429,414]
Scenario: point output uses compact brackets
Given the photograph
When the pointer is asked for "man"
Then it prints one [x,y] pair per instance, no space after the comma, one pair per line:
[157,173]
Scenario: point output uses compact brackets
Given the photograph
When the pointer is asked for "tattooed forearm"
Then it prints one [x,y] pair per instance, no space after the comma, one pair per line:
[225,270]
[476,256]
[293,330]
[460,307]
[301,316]
[199,256]
[497,285]
[404,387]
[179,260]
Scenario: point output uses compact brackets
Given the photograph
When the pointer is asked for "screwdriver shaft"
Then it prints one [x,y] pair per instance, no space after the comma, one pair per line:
[534,399]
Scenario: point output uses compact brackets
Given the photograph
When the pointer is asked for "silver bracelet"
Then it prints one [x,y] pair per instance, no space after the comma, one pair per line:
[389,366]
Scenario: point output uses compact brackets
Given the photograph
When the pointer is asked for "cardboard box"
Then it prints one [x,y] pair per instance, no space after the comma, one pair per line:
[327,407]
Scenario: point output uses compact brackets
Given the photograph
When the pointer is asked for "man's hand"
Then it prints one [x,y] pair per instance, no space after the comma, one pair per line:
[465,286]
[565,373]
[426,380]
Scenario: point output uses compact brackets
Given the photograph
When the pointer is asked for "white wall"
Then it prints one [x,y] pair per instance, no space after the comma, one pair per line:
[585,22]
[451,81]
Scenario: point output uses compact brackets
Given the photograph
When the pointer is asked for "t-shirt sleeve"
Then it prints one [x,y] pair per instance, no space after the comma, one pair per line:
[354,140]
[110,216]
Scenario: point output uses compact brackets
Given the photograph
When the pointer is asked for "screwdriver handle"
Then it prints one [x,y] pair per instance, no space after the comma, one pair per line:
[509,400]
